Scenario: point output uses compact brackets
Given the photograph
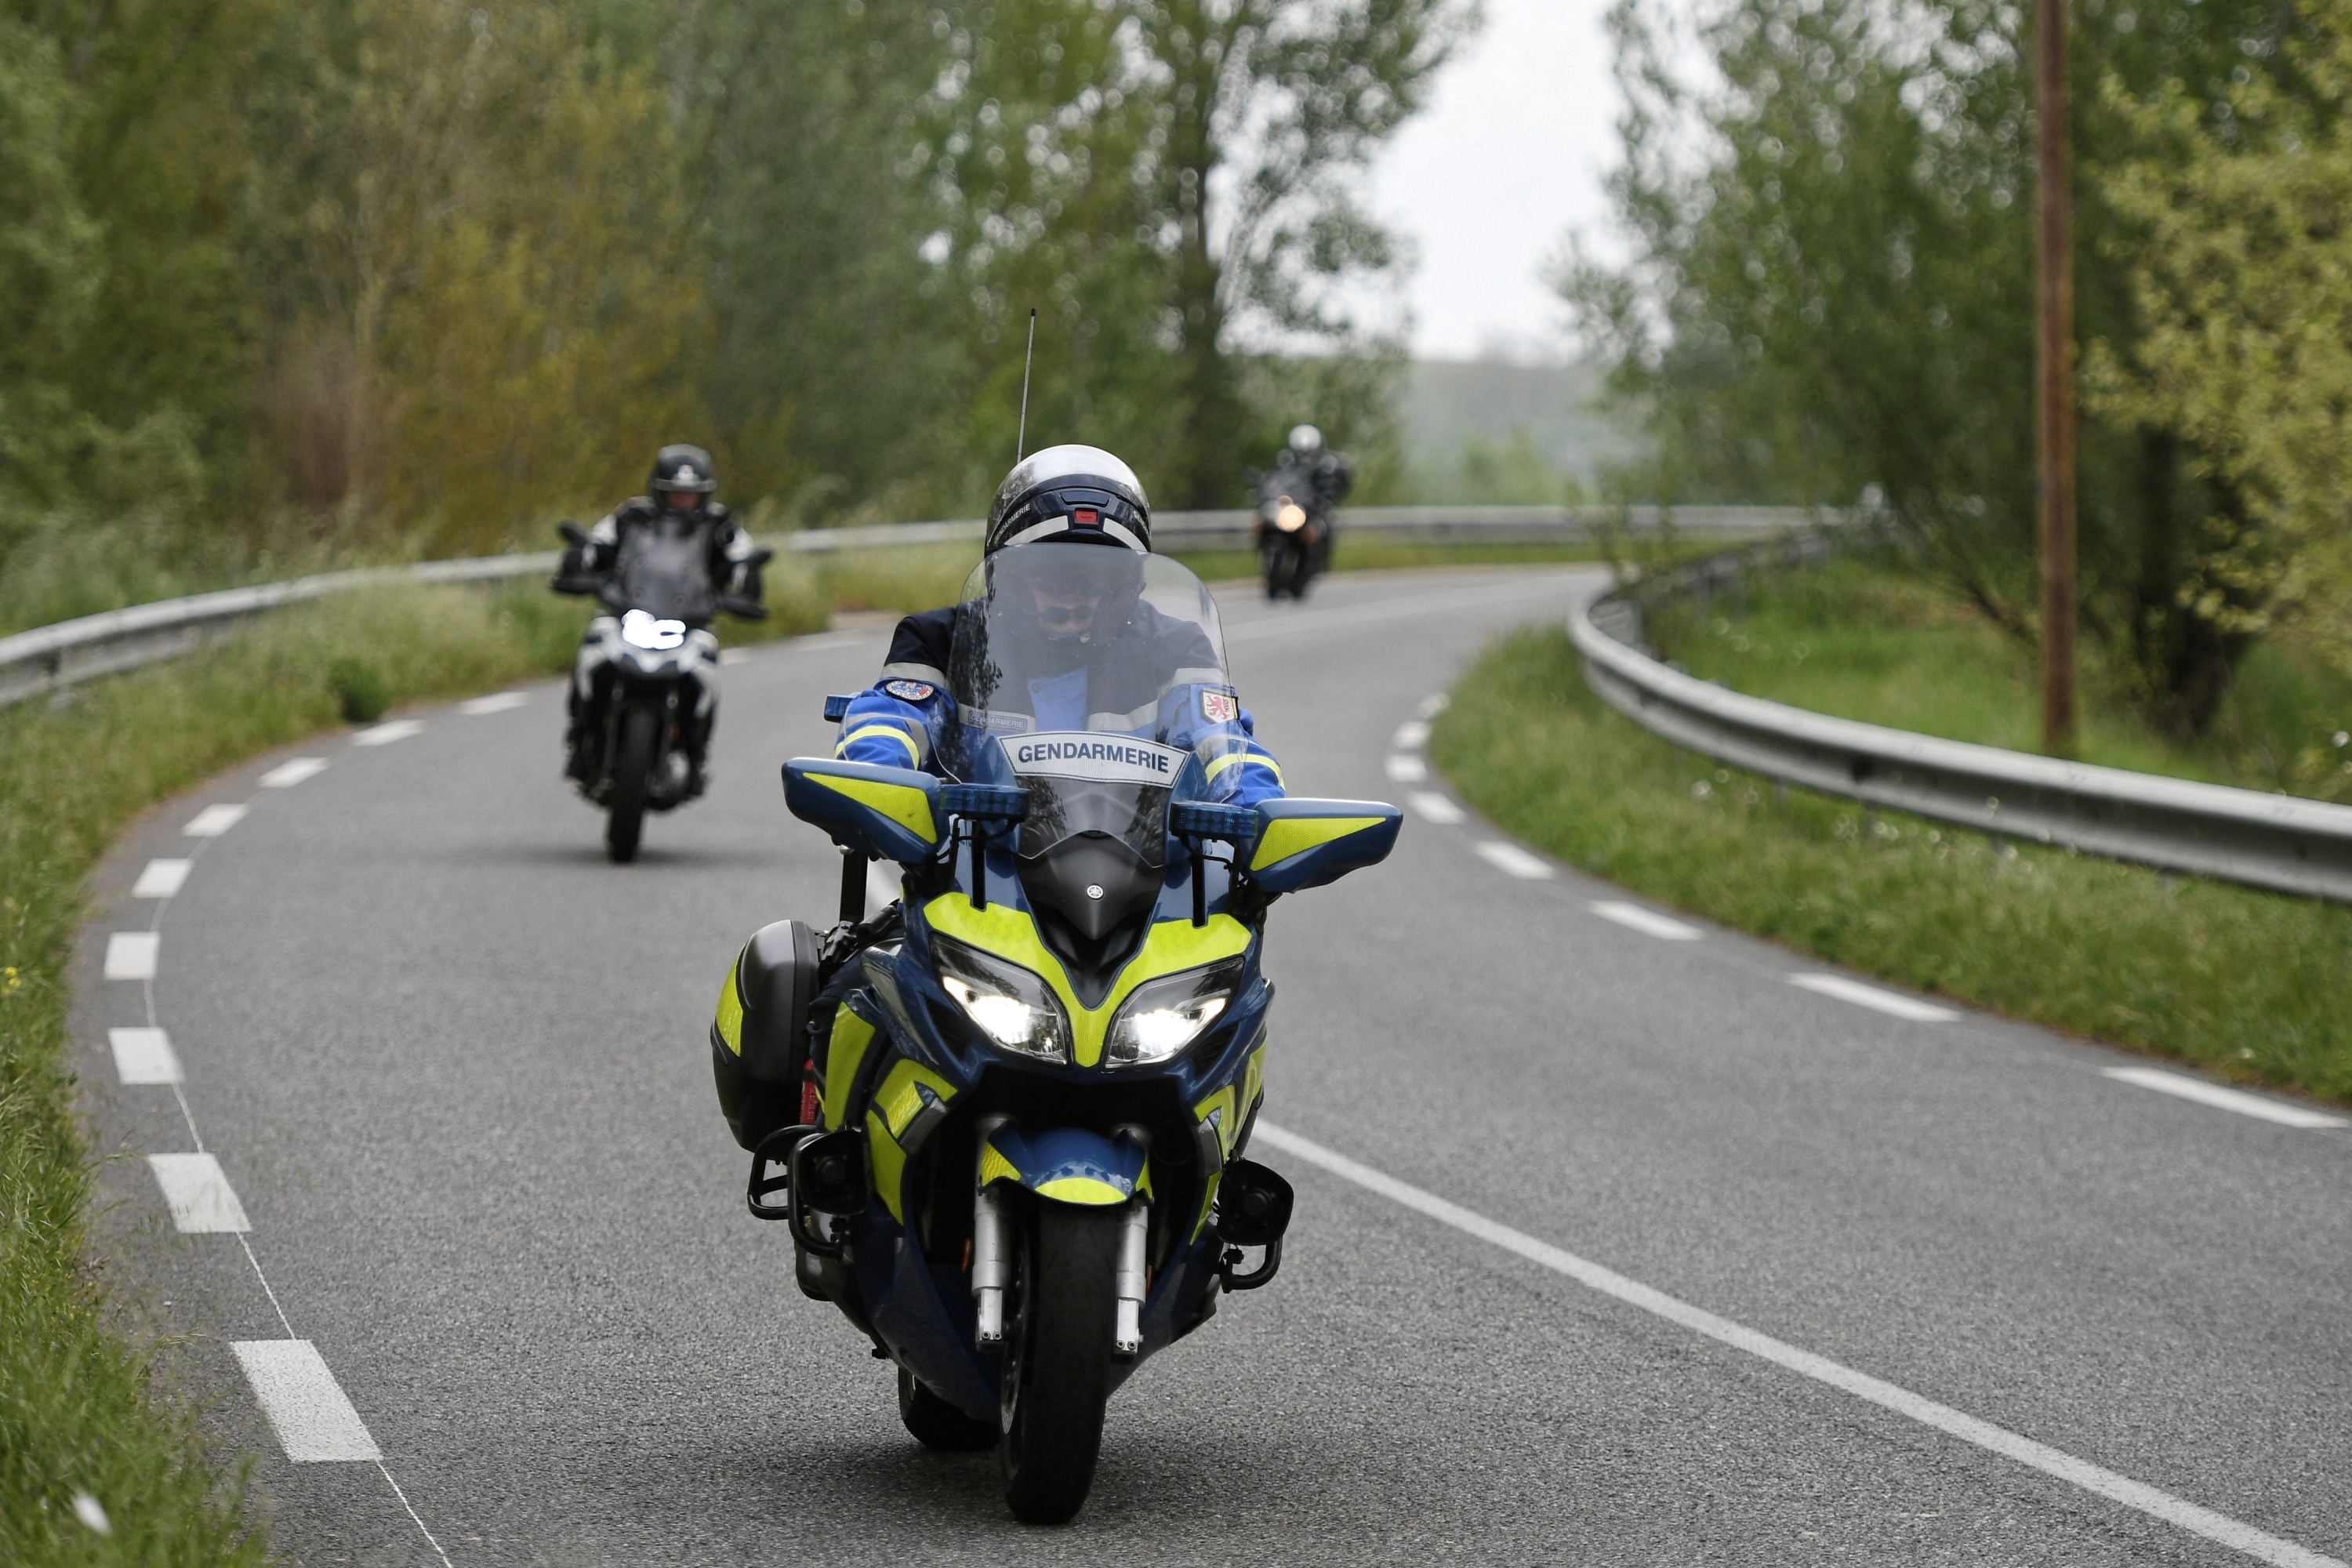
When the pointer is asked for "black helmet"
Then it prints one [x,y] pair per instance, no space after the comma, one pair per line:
[1070,493]
[682,469]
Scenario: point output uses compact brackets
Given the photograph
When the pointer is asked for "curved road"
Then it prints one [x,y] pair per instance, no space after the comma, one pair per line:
[1666,1258]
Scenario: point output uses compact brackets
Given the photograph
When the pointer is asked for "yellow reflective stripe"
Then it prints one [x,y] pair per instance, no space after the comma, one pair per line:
[995,1167]
[851,1036]
[731,1009]
[914,752]
[899,1099]
[1171,946]
[902,804]
[1289,836]
[1082,1189]
[1231,759]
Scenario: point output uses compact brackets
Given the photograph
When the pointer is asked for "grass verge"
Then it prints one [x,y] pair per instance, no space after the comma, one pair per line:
[2245,984]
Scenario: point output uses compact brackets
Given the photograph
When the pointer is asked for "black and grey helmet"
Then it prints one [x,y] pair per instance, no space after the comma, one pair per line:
[1070,493]
[687,468]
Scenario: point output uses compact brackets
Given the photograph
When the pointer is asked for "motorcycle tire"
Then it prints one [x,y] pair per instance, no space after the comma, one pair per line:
[633,766]
[1278,572]
[936,1424]
[1057,1361]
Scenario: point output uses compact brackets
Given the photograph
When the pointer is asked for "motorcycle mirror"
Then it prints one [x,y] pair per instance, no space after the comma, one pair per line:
[572,532]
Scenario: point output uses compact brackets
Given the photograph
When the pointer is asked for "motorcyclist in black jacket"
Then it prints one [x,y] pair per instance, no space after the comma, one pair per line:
[680,496]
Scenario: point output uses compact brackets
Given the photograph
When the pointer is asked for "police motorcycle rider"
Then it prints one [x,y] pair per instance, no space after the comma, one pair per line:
[678,508]
[1296,501]
[1085,617]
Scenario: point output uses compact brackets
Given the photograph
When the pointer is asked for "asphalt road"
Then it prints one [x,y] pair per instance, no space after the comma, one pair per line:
[453,1066]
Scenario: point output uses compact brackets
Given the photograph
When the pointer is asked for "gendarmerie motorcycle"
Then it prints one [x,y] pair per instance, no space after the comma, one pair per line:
[1292,532]
[643,702]
[1015,1160]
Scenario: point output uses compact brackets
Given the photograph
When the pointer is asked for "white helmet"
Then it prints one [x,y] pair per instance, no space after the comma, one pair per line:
[1306,440]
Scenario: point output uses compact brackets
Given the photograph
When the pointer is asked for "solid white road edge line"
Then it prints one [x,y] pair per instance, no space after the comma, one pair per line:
[2213,1094]
[1511,858]
[1891,1003]
[2177,1512]
[160,879]
[1649,923]
[198,1194]
[132,954]
[213,820]
[497,702]
[144,1055]
[1436,807]
[308,1409]
[1405,768]
[385,735]
[293,770]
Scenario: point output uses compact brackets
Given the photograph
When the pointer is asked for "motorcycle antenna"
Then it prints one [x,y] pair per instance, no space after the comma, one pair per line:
[1021,441]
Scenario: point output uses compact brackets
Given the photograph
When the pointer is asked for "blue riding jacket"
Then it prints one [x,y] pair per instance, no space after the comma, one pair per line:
[902,720]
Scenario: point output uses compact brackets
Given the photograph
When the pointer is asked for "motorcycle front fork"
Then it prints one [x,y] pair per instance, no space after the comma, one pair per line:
[991,1262]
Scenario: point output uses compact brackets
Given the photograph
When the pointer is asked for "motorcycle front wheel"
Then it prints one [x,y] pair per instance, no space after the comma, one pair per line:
[633,767]
[1057,1361]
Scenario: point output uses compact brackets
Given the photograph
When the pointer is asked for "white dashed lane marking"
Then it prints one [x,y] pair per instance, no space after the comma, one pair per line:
[213,820]
[1891,1003]
[313,1417]
[198,1194]
[497,702]
[731,656]
[2177,1512]
[293,770]
[1649,923]
[1436,807]
[144,1055]
[160,879]
[132,954]
[2214,1095]
[1511,858]
[385,735]
[1410,735]
[1407,769]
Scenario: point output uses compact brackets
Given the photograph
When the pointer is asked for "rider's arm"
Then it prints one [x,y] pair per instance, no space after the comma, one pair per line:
[1243,773]
[733,546]
[603,543]
[897,723]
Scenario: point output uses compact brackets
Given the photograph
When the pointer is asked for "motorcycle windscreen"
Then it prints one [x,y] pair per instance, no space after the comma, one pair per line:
[663,570]
[1094,678]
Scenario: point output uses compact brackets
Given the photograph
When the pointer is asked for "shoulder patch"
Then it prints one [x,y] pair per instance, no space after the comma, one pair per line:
[1219,706]
[911,690]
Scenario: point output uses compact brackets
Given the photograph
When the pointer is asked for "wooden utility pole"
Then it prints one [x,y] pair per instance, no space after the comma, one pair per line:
[2053,395]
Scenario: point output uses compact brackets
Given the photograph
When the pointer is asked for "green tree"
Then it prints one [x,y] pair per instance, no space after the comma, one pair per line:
[1173,179]
[2243,279]
[1830,292]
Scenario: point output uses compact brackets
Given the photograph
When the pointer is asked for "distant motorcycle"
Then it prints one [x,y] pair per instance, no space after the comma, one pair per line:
[643,703]
[1292,532]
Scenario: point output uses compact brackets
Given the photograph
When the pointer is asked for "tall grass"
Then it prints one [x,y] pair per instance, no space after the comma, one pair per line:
[2247,984]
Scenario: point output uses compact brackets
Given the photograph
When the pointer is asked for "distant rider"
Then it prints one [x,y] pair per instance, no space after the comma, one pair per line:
[1086,501]
[1329,475]
[680,497]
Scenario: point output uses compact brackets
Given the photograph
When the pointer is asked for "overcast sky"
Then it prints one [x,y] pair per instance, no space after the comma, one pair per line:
[1490,178]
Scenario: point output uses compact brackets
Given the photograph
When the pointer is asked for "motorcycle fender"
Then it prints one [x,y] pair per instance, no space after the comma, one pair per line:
[1067,1165]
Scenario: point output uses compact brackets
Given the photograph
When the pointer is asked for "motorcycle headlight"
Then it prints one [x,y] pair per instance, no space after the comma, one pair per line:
[1012,1008]
[639,629]
[1163,1016]
[1291,518]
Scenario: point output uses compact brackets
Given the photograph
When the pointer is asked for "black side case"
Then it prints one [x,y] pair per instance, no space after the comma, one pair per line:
[774,980]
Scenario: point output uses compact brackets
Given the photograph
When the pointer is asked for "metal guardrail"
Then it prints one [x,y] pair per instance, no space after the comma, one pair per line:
[2274,842]
[48,659]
